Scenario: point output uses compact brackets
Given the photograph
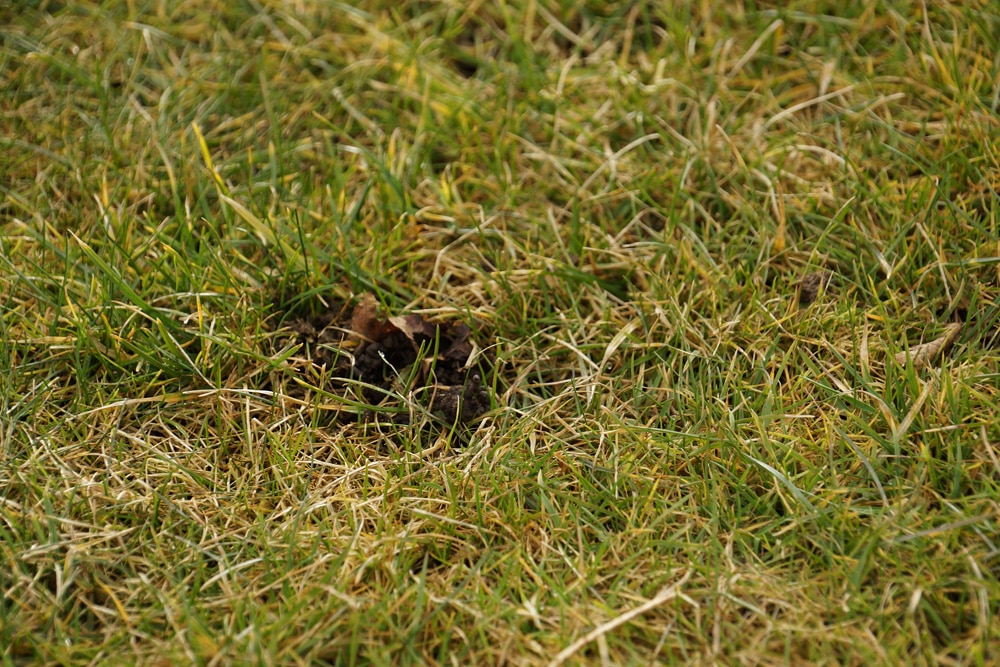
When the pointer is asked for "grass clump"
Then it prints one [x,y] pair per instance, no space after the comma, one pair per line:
[698,249]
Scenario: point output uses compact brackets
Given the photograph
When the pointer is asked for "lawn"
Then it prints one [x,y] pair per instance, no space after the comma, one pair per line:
[530,332]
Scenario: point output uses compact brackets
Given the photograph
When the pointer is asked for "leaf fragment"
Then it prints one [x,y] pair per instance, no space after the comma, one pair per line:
[923,354]
[365,323]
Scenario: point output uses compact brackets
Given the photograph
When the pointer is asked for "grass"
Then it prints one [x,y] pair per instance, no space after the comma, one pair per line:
[683,463]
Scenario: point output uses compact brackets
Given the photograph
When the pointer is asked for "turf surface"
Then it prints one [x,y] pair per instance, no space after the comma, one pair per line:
[730,272]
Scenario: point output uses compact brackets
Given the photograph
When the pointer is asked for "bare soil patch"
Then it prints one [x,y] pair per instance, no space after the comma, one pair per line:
[436,365]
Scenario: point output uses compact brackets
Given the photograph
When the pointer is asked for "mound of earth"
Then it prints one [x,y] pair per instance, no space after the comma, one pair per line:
[436,364]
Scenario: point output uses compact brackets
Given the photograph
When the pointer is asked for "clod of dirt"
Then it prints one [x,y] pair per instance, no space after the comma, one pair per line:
[812,284]
[379,351]
[321,334]
[461,403]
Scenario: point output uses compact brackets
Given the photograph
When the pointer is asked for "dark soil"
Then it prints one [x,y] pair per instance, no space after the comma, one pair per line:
[354,342]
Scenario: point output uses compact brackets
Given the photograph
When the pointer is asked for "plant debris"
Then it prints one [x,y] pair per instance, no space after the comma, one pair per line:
[436,363]
[922,355]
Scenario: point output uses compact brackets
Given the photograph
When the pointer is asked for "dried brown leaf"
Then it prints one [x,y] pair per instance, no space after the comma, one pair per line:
[414,327]
[364,320]
[921,355]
